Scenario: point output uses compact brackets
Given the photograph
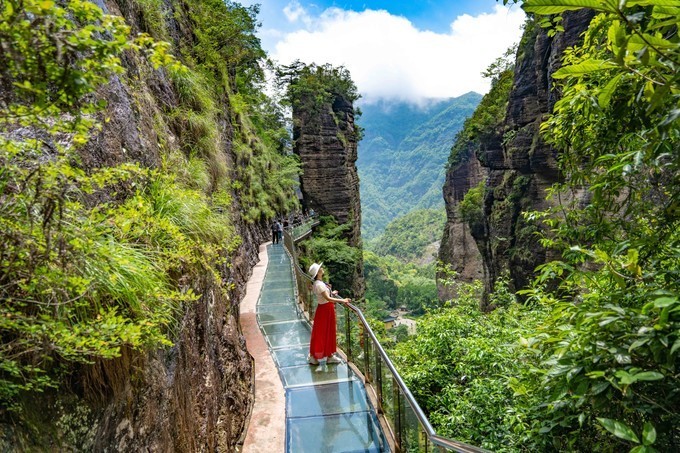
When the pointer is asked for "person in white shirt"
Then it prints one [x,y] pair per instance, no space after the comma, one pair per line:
[323,343]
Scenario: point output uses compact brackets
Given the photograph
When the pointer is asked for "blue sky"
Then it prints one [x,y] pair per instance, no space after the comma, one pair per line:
[425,14]
[407,50]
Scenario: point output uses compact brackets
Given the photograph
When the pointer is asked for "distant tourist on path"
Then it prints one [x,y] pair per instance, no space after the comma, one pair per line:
[275,232]
[279,231]
[322,345]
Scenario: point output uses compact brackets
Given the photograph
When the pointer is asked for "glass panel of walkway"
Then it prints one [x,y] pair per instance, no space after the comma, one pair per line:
[326,411]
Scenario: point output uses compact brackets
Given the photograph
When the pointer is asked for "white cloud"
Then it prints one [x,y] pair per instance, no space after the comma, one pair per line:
[294,12]
[389,58]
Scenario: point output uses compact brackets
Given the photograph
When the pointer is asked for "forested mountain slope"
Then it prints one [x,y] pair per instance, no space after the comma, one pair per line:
[413,237]
[402,156]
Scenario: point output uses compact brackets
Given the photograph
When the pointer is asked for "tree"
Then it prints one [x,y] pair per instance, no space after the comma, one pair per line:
[459,365]
[311,86]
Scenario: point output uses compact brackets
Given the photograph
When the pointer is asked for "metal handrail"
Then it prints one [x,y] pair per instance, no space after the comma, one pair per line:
[436,440]
[305,226]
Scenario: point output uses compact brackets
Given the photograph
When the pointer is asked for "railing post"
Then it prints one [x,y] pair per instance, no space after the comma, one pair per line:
[378,383]
[398,425]
[348,334]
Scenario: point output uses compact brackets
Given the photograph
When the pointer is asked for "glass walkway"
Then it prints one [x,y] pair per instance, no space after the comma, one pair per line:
[326,411]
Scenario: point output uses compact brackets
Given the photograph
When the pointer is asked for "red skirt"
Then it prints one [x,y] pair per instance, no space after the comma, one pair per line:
[323,342]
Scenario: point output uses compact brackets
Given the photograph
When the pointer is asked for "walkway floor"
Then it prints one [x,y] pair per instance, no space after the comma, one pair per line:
[325,411]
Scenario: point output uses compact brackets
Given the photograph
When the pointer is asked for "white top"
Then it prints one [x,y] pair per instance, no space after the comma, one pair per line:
[319,288]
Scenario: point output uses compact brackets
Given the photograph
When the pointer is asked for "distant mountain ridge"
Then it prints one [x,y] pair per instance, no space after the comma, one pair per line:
[402,156]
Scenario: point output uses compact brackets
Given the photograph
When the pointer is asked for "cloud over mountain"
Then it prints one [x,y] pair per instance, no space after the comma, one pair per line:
[389,58]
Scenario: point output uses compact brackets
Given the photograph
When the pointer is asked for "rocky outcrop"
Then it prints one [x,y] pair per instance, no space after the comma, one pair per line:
[520,166]
[458,248]
[327,145]
[194,397]
[325,138]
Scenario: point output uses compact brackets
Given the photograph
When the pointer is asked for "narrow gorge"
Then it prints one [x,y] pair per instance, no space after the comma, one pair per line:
[147,147]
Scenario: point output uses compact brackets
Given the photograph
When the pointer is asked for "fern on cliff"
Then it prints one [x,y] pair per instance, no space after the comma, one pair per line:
[73,287]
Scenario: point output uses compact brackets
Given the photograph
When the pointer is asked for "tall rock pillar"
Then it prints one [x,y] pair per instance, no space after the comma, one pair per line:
[326,138]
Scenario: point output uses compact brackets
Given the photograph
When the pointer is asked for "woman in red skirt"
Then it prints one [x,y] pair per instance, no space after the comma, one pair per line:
[322,345]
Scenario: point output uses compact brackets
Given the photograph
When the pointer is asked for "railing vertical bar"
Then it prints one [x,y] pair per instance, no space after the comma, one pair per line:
[348,334]
[398,425]
[369,375]
[422,440]
[378,384]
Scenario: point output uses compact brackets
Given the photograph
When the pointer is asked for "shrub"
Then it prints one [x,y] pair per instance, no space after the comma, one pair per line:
[471,207]
[461,366]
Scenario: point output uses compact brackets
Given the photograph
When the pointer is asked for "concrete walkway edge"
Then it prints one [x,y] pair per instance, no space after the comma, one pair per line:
[266,429]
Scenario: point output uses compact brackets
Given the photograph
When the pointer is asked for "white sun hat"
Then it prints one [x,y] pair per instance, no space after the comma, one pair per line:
[314,269]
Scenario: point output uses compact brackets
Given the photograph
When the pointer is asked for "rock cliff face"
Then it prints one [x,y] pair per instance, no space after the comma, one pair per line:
[197,395]
[458,247]
[326,141]
[194,397]
[519,167]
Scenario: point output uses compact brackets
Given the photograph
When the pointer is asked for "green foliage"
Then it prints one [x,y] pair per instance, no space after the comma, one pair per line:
[197,120]
[501,295]
[487,118]
[397,284]
[227,61]
[610,347]
[408,237]
[46,73]
[95,262]
[460,365]
[74,287]
[380,286]
[311,87]
[227,49]
[471,207]
[501,65]
[329,245]
[153,17]
[417,293]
